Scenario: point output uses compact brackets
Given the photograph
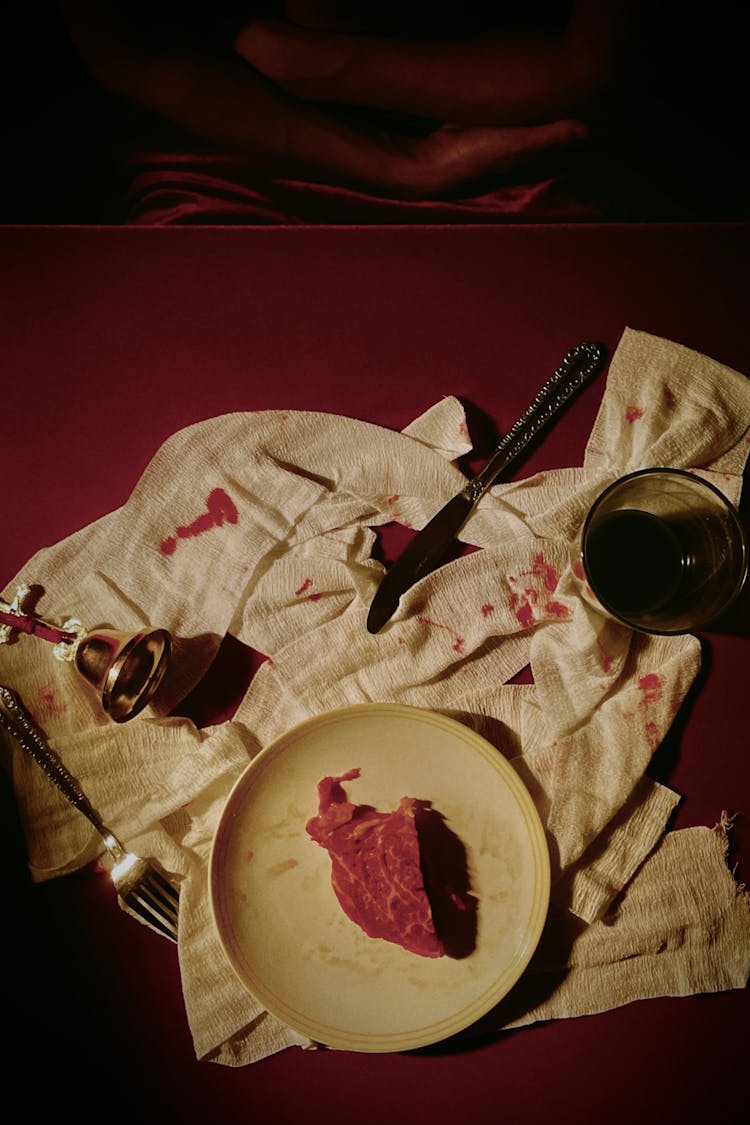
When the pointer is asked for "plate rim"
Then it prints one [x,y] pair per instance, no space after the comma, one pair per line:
[411,1038]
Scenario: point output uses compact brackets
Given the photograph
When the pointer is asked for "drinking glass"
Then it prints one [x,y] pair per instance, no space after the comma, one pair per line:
[663,551]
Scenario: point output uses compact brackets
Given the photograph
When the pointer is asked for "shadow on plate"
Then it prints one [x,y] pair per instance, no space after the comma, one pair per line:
[447,882]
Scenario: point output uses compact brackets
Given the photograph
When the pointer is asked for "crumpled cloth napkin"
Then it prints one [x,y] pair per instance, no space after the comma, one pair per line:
[260,525]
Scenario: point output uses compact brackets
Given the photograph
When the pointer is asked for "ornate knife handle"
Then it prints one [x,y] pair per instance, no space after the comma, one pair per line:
[16,720]
[578,366]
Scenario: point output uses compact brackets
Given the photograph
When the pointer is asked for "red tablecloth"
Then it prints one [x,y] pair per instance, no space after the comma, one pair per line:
[114,338]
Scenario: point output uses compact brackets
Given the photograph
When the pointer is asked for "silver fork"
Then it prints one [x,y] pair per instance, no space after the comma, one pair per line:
[140,886]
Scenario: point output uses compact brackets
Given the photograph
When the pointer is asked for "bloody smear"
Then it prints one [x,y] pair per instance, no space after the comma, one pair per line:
[650,686]
[544,570]
[401,876]
[220,509]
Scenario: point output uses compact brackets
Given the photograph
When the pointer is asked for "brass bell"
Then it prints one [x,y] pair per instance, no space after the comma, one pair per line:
[124,668]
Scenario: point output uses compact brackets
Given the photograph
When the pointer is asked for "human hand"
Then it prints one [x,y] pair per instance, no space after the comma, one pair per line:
[454,160]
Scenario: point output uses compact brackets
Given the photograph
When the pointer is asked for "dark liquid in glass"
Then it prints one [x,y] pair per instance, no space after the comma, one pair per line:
[635,562]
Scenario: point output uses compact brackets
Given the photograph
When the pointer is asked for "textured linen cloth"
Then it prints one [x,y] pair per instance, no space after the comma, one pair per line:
[260,525]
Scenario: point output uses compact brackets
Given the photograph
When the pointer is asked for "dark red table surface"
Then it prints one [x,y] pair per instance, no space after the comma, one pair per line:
[112,339]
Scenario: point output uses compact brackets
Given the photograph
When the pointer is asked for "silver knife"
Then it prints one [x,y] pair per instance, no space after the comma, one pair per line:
[429,546]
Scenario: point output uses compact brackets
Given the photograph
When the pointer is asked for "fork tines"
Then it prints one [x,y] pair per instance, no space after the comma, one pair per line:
[147,893]
[139,885]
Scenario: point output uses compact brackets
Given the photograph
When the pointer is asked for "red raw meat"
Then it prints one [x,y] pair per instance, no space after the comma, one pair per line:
[376,867]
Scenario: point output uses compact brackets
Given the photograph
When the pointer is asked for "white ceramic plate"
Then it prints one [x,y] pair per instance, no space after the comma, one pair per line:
[281,925]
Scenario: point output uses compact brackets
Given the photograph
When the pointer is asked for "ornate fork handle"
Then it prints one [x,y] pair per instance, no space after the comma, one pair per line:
[16,720]
[139,884]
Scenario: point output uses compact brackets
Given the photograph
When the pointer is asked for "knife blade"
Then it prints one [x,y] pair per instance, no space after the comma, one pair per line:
[430,544]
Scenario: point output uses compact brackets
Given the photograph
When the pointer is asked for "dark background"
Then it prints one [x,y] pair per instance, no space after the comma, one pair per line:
[679,148]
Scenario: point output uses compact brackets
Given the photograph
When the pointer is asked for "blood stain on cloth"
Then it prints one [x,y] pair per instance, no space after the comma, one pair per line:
[521,607]
[458,643]
[548,573]
[652,735]
[522,602]
[540,568]
[396,515]
[605,657]
[487,609]
[580,574]
[220,509]
[633,413]
[650,686]
[306,585]
[49,705]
